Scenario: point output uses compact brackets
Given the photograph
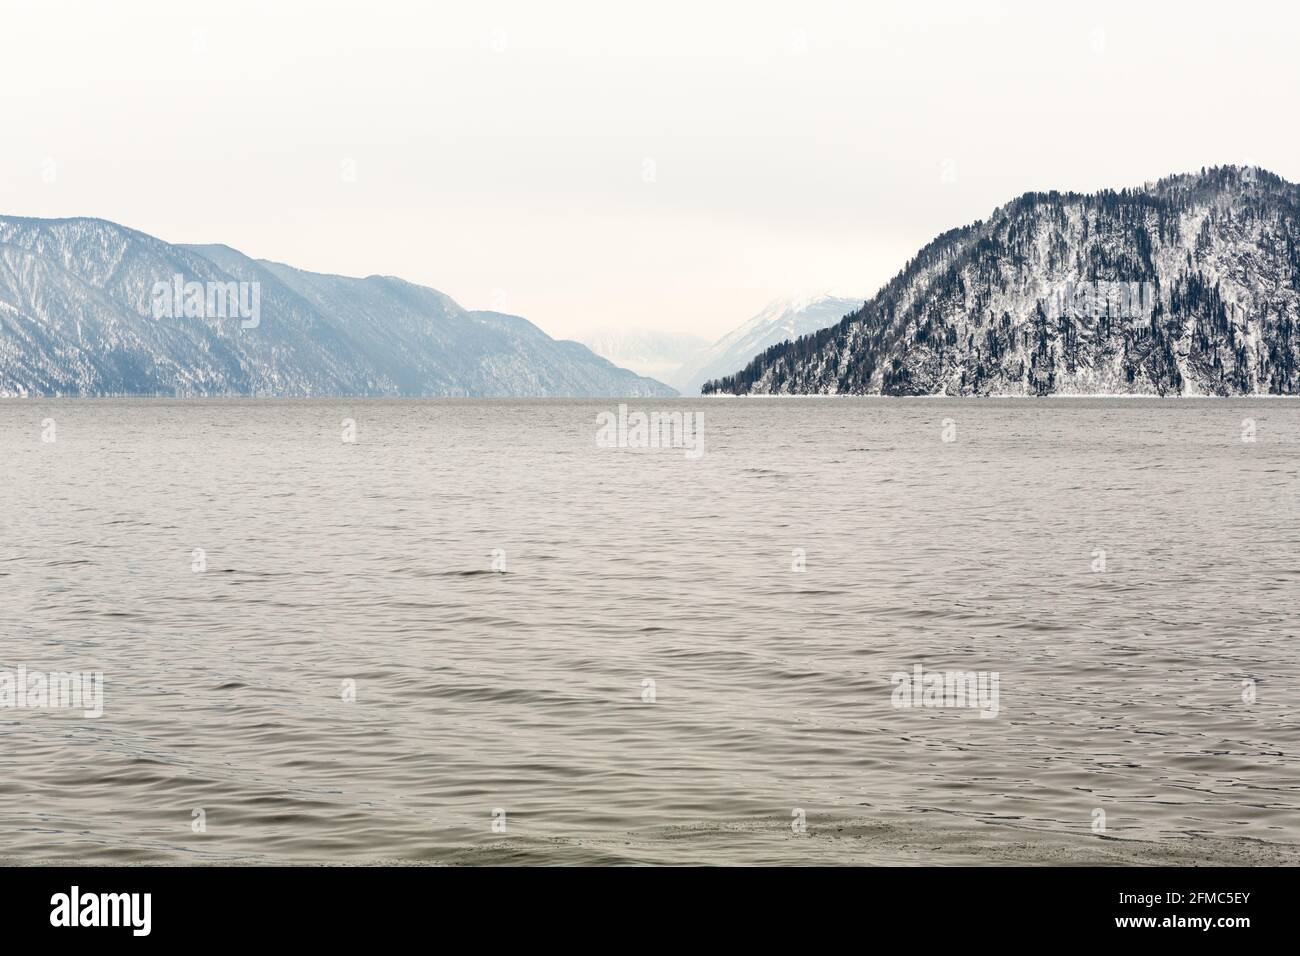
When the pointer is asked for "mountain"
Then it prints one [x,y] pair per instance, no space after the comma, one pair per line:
[659,355]
[1187,286]
[78,299]
[686,362]
[782,320]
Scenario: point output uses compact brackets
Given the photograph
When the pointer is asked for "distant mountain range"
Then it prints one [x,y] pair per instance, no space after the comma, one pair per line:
[783,320]
[1187,286]
[687,362]
[659,355]
[79,316]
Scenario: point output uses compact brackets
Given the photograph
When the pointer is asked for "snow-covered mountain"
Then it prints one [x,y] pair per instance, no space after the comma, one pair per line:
[782,320]
[686,362]
[659,355]
[78,302]
[1187,286]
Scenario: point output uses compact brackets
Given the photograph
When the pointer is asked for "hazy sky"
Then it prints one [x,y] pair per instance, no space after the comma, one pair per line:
[657,164]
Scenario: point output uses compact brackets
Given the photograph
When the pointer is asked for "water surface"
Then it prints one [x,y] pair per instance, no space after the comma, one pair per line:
[369,565]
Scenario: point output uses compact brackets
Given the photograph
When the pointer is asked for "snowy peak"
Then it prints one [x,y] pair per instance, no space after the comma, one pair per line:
[781,320]
[789,316]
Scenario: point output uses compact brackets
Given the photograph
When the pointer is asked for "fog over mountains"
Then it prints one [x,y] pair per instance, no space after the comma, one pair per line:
[649,352]
[77,318]
[782,320]
[1187,286]
[686,362]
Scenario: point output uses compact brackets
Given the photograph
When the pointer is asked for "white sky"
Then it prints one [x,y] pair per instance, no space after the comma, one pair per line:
[500,149]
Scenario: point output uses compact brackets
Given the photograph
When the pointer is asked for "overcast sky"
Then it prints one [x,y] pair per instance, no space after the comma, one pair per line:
[656,164]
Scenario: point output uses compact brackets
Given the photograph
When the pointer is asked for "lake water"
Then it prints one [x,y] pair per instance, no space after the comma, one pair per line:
[646,676]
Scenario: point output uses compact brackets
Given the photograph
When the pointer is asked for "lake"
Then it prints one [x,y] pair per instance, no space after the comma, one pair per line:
[475,632]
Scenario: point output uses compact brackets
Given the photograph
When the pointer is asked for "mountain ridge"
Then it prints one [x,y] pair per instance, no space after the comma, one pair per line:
[78,318]
[686,362]
[1218,249]
[780,320]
